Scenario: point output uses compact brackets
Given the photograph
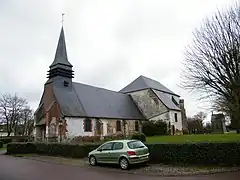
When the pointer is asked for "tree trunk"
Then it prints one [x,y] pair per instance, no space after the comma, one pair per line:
[234,108]
[235,122]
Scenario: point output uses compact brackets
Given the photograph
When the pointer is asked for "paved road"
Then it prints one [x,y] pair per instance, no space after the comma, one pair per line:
[13,168]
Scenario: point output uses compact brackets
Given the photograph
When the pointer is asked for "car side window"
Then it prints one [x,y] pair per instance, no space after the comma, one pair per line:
[117,145]
[107,147]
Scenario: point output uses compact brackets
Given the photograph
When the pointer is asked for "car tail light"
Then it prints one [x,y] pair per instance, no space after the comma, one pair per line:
[131,153]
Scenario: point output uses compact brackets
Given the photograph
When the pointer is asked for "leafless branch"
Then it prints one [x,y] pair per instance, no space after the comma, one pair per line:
[212,61]
[14,112]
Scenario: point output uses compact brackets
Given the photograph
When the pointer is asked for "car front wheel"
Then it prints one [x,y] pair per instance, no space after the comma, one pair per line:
[92,161]
[124,164]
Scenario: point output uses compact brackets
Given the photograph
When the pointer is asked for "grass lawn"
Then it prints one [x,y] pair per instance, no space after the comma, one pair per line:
[195,138]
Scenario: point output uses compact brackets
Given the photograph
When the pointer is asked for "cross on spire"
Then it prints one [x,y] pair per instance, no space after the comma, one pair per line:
[62,18]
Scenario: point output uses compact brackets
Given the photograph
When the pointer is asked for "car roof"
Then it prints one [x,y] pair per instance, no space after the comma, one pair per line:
[122,140]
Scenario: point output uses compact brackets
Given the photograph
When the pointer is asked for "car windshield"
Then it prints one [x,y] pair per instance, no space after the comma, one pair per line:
[135,144]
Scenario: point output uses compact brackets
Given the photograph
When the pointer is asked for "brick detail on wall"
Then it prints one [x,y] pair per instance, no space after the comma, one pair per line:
[127,130]
[52,108]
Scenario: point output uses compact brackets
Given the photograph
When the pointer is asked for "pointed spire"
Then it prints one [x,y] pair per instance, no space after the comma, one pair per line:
[61,66]
[61,52]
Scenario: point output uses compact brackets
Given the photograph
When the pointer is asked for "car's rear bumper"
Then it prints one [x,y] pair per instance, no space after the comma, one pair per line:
[138,159]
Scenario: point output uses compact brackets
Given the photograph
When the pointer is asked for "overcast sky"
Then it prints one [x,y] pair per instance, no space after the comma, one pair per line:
[109,42]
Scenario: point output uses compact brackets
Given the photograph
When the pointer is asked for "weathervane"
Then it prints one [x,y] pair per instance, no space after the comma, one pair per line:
[62,18]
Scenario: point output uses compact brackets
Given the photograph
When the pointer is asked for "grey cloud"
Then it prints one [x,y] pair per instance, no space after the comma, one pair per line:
[109,42]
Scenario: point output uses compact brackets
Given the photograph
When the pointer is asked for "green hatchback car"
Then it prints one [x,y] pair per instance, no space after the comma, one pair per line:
[122,152]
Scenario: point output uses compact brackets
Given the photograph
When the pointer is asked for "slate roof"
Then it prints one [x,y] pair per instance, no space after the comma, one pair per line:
[83,100]
[143,82]
[166,100]
[61,59]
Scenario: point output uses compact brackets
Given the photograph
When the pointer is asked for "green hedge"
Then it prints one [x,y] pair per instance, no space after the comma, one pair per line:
[66,150]
[153,128]
[1,144]
[21,148]
[56,149]
[6,140]
[197,154]
[139,136]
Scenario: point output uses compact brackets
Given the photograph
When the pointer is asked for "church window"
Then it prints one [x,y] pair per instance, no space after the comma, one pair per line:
[87,125]
[136,126]
[176,118]
[118,125]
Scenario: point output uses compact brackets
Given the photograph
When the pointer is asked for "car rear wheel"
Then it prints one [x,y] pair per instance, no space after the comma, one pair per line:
[124,164]
[92,161]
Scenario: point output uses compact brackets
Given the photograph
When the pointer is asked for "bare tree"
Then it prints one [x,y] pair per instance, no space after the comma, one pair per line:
[194,125]
[220,105]
[212,64]
[200,116]
[26,118]
[11,111]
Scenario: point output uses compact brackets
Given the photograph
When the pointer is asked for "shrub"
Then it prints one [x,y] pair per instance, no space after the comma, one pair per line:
[161,128]
[197,154]
[183,154]
[1,144]
[152,128]
[66,150]
[6,140]
[114,136]
[82,139]
[139,136]
[21,148]
[55,149]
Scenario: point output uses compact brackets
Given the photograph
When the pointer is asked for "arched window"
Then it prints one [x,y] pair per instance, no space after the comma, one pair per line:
[136,126]
[118,125]
[87,125]
[176,117]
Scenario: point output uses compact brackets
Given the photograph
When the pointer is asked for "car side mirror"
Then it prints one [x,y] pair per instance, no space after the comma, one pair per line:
[100,150]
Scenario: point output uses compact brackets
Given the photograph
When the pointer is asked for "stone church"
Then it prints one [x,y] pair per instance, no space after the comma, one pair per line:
[69,109]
